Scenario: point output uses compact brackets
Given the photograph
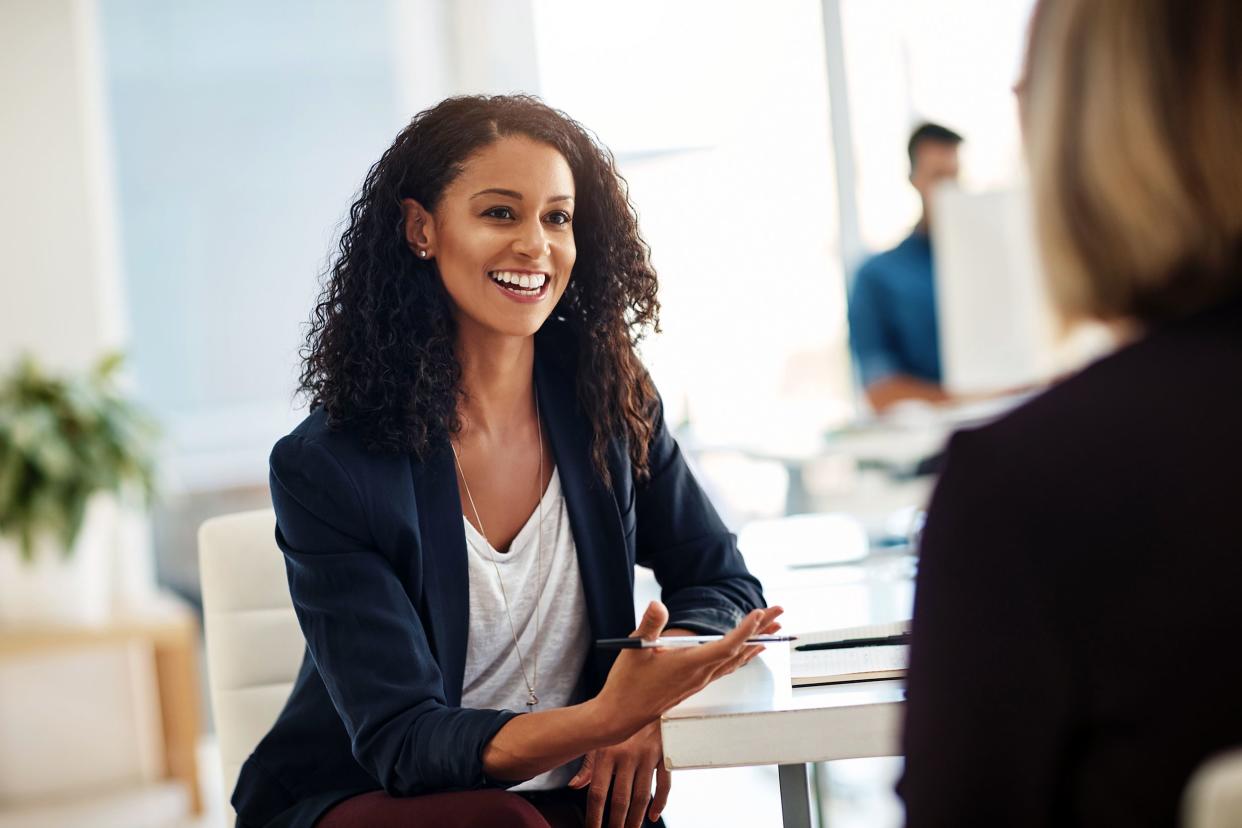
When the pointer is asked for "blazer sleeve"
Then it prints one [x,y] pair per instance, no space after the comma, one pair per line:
[680,537]
[989,695]
[365,637]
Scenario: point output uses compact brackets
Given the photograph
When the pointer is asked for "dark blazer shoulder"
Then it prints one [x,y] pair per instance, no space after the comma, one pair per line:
[1105,447]
[345,445]
[1133,394]
[331,472]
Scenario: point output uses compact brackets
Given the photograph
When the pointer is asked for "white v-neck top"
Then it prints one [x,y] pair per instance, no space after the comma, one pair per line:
[493,677]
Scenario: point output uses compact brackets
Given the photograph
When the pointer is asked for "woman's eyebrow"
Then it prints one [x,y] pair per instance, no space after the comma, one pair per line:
[514,194]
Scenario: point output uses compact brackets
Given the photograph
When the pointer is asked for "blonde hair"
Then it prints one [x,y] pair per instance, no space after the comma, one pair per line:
[1132,112]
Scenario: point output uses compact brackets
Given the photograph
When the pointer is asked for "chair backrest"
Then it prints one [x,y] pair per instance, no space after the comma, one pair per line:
[254,643]
[1213,797]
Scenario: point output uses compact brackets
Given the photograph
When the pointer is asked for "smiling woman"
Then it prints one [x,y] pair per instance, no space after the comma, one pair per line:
[474,346]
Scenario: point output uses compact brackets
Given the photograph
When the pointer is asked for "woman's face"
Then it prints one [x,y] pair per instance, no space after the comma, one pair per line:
[502,236]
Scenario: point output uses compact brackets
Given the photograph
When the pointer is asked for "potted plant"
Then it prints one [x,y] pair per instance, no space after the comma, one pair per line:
[73,449]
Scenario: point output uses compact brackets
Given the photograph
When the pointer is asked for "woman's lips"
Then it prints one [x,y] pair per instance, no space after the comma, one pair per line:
[522,296]
[509,283]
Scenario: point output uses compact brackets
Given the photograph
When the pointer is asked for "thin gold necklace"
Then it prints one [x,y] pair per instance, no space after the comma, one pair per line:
[530,680]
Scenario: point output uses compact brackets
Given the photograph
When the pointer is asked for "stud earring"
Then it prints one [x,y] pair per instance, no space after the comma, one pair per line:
[423,253]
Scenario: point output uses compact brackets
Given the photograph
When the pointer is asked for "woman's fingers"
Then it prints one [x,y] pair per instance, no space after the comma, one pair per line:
[583,776]
[653,621]
[769,624]
[735,641]
[640,797]
[622,790]
[664,781]
[644,683]
[597,796]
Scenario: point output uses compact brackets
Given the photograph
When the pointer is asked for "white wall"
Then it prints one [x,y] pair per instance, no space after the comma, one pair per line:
[242,133]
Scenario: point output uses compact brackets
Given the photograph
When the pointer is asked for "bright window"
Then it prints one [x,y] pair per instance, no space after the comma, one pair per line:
[953,62]
[717,112]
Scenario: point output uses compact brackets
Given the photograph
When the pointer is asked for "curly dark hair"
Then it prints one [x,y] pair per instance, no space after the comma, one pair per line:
[379,352]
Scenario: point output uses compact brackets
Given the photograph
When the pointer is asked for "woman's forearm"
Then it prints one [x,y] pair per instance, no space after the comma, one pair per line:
[534,743]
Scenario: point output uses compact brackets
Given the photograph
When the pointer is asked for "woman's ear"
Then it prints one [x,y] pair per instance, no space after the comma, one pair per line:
[420,231]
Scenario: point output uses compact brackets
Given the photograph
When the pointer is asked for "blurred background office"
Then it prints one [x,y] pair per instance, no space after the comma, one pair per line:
[176,175]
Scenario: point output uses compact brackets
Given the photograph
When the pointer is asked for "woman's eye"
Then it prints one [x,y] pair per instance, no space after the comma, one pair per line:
[499,212]
[559,217]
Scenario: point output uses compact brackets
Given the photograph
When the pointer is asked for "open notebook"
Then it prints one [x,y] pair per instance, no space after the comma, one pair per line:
[809,667]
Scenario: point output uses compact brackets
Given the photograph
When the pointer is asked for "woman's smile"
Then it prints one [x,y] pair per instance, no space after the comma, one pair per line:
[521,285]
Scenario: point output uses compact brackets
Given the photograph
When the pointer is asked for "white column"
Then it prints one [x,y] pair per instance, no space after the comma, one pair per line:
[59,284]
[851,245]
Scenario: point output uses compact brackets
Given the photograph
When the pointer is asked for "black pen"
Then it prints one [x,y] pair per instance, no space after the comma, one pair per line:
[879,641]
[680,641]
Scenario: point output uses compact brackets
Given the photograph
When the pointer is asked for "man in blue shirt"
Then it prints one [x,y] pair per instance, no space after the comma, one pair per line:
[892,309]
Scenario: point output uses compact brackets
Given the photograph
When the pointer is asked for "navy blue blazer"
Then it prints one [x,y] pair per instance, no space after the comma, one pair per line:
[376,557]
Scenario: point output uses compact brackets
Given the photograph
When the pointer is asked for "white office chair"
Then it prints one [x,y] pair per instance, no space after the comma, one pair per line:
[1213,797]
[254,643]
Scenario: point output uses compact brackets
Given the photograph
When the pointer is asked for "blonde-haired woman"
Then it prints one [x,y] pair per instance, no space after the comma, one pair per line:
[1080,588]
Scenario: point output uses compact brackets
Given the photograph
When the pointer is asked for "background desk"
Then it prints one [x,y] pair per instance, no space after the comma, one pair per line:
[754,717]
[169,629]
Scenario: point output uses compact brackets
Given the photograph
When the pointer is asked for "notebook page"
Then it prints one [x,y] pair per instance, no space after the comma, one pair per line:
[815,664]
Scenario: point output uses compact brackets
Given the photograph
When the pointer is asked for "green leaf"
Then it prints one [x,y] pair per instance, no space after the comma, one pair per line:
[12,468]
[109,364]
[55,459]
[62,438]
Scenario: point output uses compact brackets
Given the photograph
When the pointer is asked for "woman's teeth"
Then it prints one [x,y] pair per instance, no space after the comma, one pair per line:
[519,282]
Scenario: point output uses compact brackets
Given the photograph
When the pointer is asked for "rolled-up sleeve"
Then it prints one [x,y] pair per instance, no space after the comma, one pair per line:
[680,537]
[366,639]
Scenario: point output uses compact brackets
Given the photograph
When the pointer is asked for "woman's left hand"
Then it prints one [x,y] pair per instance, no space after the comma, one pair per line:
[630,763]
[627,768]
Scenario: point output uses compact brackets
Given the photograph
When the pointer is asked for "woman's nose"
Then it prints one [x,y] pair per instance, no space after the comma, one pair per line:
[532,241]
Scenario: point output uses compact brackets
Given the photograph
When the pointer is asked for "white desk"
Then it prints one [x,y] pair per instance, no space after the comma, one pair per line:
[754,717]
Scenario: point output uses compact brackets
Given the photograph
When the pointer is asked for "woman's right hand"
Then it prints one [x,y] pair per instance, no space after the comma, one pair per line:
[644,683]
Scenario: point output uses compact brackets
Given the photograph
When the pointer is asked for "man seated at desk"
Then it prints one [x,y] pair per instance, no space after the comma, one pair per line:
[892,309]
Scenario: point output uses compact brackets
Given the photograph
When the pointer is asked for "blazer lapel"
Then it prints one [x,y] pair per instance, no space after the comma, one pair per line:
[446,587]
[607,576]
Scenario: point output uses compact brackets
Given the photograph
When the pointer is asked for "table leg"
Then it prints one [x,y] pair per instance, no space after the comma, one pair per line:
[177,675]
[795,796]
[819,792]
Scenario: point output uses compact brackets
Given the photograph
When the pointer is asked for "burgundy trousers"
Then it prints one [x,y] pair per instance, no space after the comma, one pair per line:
[463,809]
